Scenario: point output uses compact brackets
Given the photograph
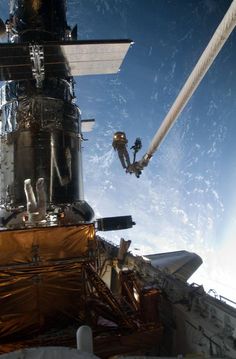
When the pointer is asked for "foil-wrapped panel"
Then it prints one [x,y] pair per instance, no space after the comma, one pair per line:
[42,279]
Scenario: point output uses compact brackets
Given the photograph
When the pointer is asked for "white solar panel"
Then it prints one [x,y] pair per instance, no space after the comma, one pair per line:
[95,58]
[87,125]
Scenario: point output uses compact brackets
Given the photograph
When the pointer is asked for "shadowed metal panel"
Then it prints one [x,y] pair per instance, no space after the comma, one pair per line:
[15,62]
[51,352]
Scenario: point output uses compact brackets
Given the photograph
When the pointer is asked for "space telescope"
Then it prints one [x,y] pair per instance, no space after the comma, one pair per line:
[41,126]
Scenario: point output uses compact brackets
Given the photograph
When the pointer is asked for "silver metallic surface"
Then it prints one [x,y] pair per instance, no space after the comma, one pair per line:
[40,133]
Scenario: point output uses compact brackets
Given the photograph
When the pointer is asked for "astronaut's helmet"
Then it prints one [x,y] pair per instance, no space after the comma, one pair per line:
[119,138]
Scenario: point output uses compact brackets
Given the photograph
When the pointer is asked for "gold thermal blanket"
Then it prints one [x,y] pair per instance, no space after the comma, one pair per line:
[42,279]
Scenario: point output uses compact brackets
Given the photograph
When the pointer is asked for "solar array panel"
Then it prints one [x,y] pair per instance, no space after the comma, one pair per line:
[75,58]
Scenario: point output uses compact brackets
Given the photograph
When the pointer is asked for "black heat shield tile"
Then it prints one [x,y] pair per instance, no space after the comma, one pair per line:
[62,59]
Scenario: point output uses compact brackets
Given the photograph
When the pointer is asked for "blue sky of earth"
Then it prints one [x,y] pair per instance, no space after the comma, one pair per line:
[185,198]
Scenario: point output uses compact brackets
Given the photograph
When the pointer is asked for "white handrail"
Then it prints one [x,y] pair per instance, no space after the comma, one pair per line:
[208,56]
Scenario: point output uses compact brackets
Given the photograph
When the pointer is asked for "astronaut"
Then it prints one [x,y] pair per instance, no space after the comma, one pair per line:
[120,145]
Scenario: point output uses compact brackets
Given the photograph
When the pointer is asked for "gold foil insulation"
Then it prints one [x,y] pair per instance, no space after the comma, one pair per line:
[45,244]
[42,279]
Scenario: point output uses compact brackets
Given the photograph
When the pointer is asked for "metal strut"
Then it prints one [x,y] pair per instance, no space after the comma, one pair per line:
[37,59]
[107,296]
